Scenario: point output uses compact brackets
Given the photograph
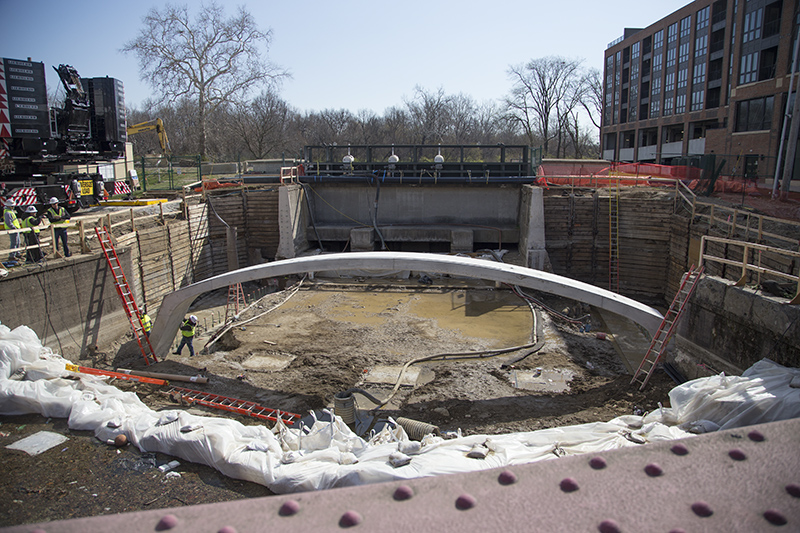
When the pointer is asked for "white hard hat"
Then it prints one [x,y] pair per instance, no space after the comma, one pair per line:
[53,200]
[192,318]
[10,202]
[30,209]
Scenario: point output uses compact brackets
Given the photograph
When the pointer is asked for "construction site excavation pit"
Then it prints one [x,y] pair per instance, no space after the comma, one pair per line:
[456,355]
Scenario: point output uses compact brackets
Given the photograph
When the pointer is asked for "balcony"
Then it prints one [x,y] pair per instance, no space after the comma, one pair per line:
[626,154]
[647,153]
[697,147]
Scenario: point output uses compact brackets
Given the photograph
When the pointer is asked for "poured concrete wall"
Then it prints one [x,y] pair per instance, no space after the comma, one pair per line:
[71,306]
[491,212]
[734,327]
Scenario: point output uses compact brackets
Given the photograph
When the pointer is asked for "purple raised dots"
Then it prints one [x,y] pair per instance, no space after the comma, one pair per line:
[465,501]
[167,522]
[403,492]
[227,529]
[679,449]
[737,455]
[568,484]
[793,489]
[775,517]
[350,519]
[608,526]
[598,463]
[702,509]
[289,508]
[653,470]
[507,477]
[756,436]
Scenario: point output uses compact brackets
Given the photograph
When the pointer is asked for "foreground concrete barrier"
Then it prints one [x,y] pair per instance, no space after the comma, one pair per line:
[176,304]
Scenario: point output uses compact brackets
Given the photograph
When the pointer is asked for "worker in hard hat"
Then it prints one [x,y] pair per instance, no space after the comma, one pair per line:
[59,218]
[11,221]
[147,323]
[187,335]
[33,253]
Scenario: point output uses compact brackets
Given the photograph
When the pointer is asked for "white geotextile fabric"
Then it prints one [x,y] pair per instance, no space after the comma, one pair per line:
[329,454]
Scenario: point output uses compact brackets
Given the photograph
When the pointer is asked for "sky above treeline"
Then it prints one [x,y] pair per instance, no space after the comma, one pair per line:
[351,54]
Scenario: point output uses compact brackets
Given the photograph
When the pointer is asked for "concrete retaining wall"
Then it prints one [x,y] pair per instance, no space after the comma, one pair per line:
[738,327]
[71,306]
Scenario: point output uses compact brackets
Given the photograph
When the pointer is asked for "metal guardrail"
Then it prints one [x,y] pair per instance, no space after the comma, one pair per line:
[745,262]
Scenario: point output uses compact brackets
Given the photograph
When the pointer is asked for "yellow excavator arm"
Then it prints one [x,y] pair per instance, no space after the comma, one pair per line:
[150,125]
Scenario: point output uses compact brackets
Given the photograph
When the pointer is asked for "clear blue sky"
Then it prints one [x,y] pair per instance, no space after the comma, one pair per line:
[351,54]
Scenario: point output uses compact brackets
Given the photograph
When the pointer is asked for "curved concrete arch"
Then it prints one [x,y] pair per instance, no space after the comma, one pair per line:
[176,304]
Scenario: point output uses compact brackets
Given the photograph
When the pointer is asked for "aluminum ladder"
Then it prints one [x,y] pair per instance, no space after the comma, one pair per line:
[125,294]
[233,405]
[661,339]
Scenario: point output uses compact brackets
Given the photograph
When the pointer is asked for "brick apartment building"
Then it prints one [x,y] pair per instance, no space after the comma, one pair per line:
[711,78]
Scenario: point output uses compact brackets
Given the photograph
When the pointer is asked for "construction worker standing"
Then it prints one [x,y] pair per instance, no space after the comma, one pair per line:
[33,254]
[12,222]
[147,324]
[187,335]
[59,218]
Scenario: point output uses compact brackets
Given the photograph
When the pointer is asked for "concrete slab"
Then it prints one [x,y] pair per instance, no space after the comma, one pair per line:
[389,374]
[38,442]
[269,362]
[542,380]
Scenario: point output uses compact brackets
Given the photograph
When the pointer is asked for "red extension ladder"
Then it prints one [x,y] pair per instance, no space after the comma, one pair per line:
[661,339]
[233,405]
[125,294]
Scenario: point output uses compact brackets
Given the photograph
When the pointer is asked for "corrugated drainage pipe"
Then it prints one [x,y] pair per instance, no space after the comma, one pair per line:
[417,430]
[344,406]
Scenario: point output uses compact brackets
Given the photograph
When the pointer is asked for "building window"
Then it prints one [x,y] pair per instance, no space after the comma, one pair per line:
[686,26]
[766,69]
[634,51]
[702,17]
[701,46]
[748,68]
[669,82]
[752,25]
[683,76]
[697,100]
[684,53]
[658,39]
[680,104]
[668,102]
[655,108]
[671,57]
[772,19]
[658,60]
[672,33]
[699,74]
[655,86]
[755,114]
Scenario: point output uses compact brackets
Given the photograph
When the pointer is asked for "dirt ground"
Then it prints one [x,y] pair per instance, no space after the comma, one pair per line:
[320,337]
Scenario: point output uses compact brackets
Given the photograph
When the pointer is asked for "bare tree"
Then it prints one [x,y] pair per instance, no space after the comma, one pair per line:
[428,112]
[261,123]
[538,88]
[212,59]
[593,96]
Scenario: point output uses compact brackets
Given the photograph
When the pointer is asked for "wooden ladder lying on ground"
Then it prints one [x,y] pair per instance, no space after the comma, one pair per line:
[661,339]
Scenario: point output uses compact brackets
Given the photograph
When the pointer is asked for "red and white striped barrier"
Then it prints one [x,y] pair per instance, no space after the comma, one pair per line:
[120,187]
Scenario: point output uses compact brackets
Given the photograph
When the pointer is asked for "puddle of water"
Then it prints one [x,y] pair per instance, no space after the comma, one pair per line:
[492,315]
[542,381]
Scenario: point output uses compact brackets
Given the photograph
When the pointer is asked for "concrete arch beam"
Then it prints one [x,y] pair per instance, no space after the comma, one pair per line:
[176,304]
